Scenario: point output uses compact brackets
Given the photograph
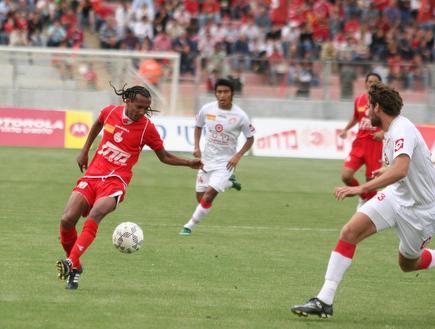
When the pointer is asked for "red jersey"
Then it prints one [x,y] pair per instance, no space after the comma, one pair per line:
[361,109]
[121,144]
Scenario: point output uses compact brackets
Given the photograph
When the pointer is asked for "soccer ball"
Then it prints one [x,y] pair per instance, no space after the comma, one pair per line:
[127,237]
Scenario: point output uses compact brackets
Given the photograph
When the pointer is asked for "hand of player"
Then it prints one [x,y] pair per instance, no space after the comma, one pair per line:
[196,164]
[233,162]
[82,161]
[343,134]
[197,153]
[378,136]
[347,191]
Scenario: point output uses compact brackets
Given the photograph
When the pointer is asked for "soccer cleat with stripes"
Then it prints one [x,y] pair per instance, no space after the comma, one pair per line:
[314,307]
[64,268]
[73,278]
[236,185]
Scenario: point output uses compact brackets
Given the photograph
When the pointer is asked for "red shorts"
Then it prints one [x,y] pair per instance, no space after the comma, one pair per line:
[93,189]
[365,151]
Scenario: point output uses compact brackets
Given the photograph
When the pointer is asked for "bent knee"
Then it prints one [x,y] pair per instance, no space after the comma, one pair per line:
[408,265]
[68,219]
[349,234]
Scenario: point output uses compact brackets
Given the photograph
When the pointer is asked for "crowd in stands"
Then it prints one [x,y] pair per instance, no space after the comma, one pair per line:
[277,37]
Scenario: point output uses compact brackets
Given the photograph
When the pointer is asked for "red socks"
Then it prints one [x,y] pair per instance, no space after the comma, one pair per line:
[345,248]
[426,259]
[68,237]
[90,228]
[205,204]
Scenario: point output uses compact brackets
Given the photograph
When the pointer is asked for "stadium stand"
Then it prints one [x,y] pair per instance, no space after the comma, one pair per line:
[276,48]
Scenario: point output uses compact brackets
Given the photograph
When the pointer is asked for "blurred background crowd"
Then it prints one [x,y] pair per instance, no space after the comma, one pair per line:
[280,40]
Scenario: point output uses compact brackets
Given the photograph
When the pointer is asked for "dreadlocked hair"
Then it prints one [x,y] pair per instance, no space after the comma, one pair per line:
[130,94]
[388,98]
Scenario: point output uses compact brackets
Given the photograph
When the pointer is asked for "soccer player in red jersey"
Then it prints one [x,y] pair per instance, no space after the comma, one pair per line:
[367,146]
[127,129]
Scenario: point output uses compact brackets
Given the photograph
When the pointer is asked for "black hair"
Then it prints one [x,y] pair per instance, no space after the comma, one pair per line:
[130,94]
[224,82]
[374,74]
[388,98]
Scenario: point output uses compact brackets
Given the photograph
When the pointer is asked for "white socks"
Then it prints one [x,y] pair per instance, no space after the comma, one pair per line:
[198,215]
[338,264]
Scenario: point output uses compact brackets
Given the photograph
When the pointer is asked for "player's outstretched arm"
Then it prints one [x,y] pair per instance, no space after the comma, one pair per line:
[392,174]
[82,158]
[352,122]
[173,160]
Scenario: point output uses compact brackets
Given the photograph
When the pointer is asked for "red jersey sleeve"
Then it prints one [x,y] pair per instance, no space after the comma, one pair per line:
[152,138]
[105,113]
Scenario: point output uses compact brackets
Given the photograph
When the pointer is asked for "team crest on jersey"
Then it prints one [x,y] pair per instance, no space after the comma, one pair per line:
[211,117]
[361,109]
[109,128]
[218,127]
[118,137]
[399,144]
[232,120]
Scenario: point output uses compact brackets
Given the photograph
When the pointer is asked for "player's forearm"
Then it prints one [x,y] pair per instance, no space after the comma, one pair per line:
[246,147]
[390,176]
[171,159]
[197,137]
[351,123]
[93,133]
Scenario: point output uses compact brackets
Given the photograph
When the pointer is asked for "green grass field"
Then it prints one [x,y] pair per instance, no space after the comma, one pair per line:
[258,252]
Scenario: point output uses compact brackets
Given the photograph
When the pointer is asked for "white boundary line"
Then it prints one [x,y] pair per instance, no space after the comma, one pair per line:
[252,228]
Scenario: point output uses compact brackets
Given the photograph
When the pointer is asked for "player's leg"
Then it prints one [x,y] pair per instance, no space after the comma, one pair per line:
[202,179]
[217,181]
[413,252]
[373,161]
[108,193]
[363,223]
[352,163]
[101,208]
[75,207]
[425,261]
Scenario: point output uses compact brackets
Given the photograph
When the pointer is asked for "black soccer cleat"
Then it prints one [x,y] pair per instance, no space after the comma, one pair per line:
[314,307]
[235,184]
[73,278]
[64,268]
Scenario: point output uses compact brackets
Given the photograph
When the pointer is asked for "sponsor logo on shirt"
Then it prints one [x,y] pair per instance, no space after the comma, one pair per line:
[232,120]
[109,128]
[211,117]
[114,154]
[361,109]
[398,144]
[219,128]
[118,137]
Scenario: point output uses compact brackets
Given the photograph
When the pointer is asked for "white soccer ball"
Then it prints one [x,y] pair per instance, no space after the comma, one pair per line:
[127,237]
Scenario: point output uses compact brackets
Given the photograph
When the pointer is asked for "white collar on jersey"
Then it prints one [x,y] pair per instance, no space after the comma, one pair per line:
[125,119]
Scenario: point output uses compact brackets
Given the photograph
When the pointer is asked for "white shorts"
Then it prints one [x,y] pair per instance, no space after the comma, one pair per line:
[414,225]
[219,179]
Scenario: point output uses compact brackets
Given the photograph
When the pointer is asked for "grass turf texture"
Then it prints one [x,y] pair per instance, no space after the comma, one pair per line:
[258,252]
